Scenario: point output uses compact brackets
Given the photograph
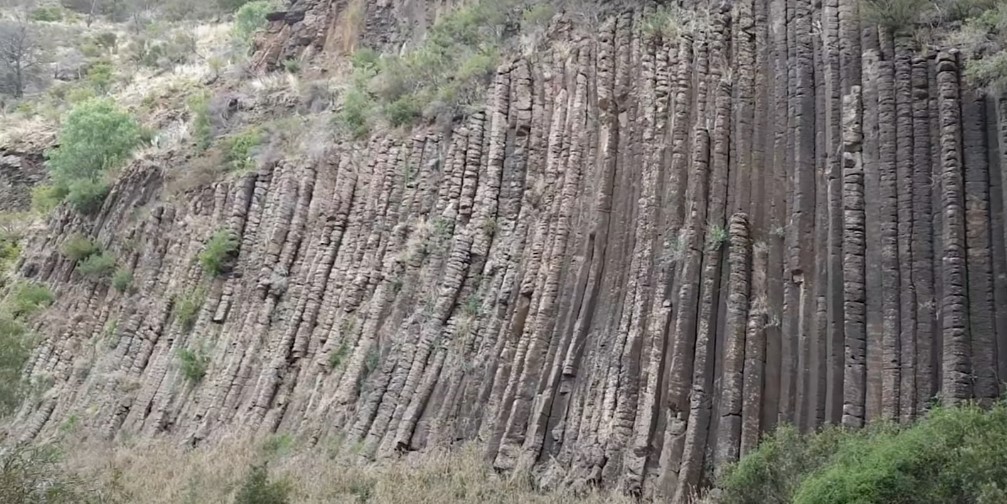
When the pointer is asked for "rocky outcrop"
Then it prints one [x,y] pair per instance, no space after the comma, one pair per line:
[642,254]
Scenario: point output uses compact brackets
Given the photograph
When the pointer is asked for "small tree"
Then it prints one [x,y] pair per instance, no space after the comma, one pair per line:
[21,49]
[96,137]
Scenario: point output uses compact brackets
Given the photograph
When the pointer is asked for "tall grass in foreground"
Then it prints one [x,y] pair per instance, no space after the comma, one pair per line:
[163,472]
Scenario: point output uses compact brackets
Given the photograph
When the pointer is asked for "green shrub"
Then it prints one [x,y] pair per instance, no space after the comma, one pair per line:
[187,308]
[96,138]
[258,489]
[404,110]
[100,76]
[338,356]
[537,15]
[80,94]
[989,72]
[357,109]
[231,5]
[441,77]
[87,195]
[897,16]
[951,455]
[107,40]
[372,360]
[219,251]
[47,14]
[97,266]
[31,473]
[250,17]
[28,298]
[773,473]
[292,66]
[983,41]
[122,279]
[14,353]
[78,247]
[199,107]
[239,149]
[193,364]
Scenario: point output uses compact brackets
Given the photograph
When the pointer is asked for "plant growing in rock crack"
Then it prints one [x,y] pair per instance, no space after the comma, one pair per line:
[97,266]
[338,356]
[372,360]
[219,252]
[78,247]
[193,364]
[716,236]
[27,298]
[187,308]
[122,280]
[472,306]
[397,284]
[490,227]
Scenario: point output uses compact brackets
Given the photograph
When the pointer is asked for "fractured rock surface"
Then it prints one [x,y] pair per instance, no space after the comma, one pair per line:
[638,257]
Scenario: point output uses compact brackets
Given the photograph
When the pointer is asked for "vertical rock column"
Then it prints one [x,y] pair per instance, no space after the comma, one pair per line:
[977,242]
[732,381]
[956,366]
[854,250]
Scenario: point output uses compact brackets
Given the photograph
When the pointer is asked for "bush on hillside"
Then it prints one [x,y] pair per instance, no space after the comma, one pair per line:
[30,474]
[97,137]
[897,16]
[983,40]
[28,298]
[122,280]
[952,455]
[193,364]
[219,251]
[442,77]
[14,352]
[47,14]
[250,17]
[78,246]
[239,149]
[258,488]
[187,308]
[97,266]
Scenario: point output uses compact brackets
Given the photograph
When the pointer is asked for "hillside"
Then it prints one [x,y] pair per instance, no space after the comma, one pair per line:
[612,245]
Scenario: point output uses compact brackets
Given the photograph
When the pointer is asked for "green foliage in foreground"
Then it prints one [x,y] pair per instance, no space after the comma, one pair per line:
[952,455]
[32,475]
[24,300]
[257,488]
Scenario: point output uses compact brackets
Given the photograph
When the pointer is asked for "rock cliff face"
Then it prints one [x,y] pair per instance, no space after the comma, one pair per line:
[642,254]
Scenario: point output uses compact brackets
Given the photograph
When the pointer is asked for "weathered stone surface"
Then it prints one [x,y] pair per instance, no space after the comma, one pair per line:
[640,255]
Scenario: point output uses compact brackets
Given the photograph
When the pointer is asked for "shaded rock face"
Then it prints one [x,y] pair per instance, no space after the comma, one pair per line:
[641,255]
[19,173]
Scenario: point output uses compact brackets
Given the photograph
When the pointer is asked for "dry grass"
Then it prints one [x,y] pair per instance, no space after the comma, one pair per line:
[161,472]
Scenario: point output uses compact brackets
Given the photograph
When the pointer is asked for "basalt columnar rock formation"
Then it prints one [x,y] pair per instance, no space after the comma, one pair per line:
[641,254]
